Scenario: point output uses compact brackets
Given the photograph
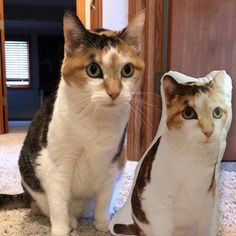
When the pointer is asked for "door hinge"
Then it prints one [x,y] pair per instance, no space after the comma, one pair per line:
[1,25]
[4,101]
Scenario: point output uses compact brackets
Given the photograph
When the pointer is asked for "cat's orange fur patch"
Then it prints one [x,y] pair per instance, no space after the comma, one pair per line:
[174,119]
[74,66]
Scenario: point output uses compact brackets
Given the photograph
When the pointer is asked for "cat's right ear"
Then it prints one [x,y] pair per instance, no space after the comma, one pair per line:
[74,32]
[170,87]
[219,81]
[133,32]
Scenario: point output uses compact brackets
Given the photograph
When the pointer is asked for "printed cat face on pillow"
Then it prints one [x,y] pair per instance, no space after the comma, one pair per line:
[196,111]
[105,66]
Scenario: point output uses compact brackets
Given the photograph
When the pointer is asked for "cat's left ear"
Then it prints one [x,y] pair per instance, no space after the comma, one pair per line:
[170,87]
[219,81]
[74,32]
[133,32]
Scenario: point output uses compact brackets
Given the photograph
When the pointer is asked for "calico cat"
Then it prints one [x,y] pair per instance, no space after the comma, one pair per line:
[175,190]
[73,148]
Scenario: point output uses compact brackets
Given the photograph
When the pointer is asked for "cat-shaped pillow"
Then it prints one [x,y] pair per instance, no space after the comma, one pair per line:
[175,188]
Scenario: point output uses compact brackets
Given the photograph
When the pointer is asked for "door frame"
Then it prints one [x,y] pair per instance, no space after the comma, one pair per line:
[145,118]
[96,14]
[90,13]
[80,10]
[3,85]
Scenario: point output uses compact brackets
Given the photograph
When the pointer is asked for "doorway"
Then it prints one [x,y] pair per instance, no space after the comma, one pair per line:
[33,21]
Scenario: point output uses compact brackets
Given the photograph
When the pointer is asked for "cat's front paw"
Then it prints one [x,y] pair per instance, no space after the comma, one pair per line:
[102,225]
[59,234]
[73,222]
[60,231]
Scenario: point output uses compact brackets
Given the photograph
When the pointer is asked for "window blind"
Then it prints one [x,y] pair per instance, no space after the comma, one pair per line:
[17,61]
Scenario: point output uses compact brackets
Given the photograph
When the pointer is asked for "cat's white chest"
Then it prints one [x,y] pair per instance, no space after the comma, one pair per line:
[180,182]
[83,140]
[91,144]
[91,167]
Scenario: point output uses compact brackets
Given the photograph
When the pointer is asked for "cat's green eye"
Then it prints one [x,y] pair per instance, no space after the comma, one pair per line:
[189,113]
[217,113]
[127,70]
[94,71]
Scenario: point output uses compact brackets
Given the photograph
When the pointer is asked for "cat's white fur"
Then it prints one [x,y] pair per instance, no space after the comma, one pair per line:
[76,164]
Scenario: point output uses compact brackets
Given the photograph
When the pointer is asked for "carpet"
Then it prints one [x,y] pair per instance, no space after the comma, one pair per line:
[22,223]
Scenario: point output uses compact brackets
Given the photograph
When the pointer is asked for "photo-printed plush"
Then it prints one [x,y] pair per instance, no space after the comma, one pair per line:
[175,188]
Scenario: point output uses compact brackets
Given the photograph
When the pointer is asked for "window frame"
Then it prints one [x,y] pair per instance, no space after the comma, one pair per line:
[12,37]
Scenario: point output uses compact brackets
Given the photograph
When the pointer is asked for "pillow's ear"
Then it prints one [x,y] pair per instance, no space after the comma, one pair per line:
[133,32]
[74,32]
[170,87]
[219,82]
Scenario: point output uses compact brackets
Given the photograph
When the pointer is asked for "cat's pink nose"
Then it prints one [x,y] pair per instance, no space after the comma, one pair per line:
[113,94]
[208,133]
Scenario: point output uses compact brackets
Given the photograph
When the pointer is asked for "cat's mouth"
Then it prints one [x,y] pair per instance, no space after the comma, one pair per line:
[110,104]
[113,105]
[207,141]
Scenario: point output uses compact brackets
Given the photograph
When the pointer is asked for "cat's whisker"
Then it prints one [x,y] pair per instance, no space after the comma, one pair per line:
[142,120]
[84,111]
[147,93]
[79,104]
[135,108]
[140,103]
[79,101]
[88,111]
[143,116]
[146,103]
[94,111]
[82,106]
[79,97]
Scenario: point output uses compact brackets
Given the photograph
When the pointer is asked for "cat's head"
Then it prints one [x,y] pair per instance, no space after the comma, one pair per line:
[197,111]
[104,66]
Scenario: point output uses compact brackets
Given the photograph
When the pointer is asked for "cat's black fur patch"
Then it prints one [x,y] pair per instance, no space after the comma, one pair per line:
[144,177]
[99,30]
[35,140]
[101,41]
[212,186]
[91,39]
[120,147]
[132,229]
[10,202]
[193,89]
[189,88]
